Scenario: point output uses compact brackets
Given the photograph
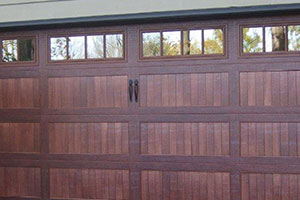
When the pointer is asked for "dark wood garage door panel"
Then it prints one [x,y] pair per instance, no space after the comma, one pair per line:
[88,138]
[270,88]
[196,139]
[270,139]
[20,182]
[203,128]
[89,184]
[270,186]
[169,185]
[178,90]
[19,93]
[88,92]
[20,137]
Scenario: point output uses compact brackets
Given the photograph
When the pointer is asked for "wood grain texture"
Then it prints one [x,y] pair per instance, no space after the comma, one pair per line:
[169,185]
[270,139]
[19,93]
[270,88]
[20,137]
[190,139]
[89,184]
[88,138]
[270,186]
[181,90]
[19,182]
[178,97]
[88,92]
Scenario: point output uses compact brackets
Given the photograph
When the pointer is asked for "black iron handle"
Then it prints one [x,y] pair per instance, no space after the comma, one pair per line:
[136,90]
[130,90]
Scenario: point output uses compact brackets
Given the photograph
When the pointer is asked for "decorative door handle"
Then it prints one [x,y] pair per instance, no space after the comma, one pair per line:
[130,90]
[136,90]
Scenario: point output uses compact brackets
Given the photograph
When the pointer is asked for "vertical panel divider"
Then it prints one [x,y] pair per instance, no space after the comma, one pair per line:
[45,173]
[45,183]
[132,58]
[234,100]
[135,183]
[134,138]
[235,152]
[44,151]
[234,137]
[235,182]
[134,141]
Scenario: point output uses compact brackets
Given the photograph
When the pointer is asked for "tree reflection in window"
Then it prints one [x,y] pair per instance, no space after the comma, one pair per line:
[87,47]
[114,46]
[171,43]
[151,44]
[18,50]
[275,38]
[252,40]
[59,48]
[294,38]
[95,46]
[192,41]
[183,42]
[76,47]
[267,39]
[213,41]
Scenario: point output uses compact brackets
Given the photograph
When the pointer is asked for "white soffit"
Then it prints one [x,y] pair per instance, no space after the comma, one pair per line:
[28,10]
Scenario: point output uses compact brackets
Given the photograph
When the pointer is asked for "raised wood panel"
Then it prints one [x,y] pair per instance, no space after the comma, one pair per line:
[88,138]
[20,137]
[270,186]
[88,92]
[270,88]
[182,90]
[19,93]
[270,139]
[20,182]
[185,185]
[89,184]
[190,139]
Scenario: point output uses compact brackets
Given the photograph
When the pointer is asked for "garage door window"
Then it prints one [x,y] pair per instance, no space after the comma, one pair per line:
[87,47]
[192,41]
[95,46]
[183,43]
[18,50]
[294,38]
[267,39]
[76,48]
[171,43]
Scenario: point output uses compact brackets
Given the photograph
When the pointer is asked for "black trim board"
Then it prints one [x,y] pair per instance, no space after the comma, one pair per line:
[155,17]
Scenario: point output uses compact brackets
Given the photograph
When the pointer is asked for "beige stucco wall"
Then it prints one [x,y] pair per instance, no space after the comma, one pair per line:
[24,10]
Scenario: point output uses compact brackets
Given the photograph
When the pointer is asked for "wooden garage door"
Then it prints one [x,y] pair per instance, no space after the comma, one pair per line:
[223,127]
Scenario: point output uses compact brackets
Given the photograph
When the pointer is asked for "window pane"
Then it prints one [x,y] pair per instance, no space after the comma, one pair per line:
[114,46]
[151,44]
[252,40]
[275,38]
[10,50]
[192,41]
[76,47]
[59,48]
[294,38]
[213,41]
[171,43]
[95,46]
[18,50]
